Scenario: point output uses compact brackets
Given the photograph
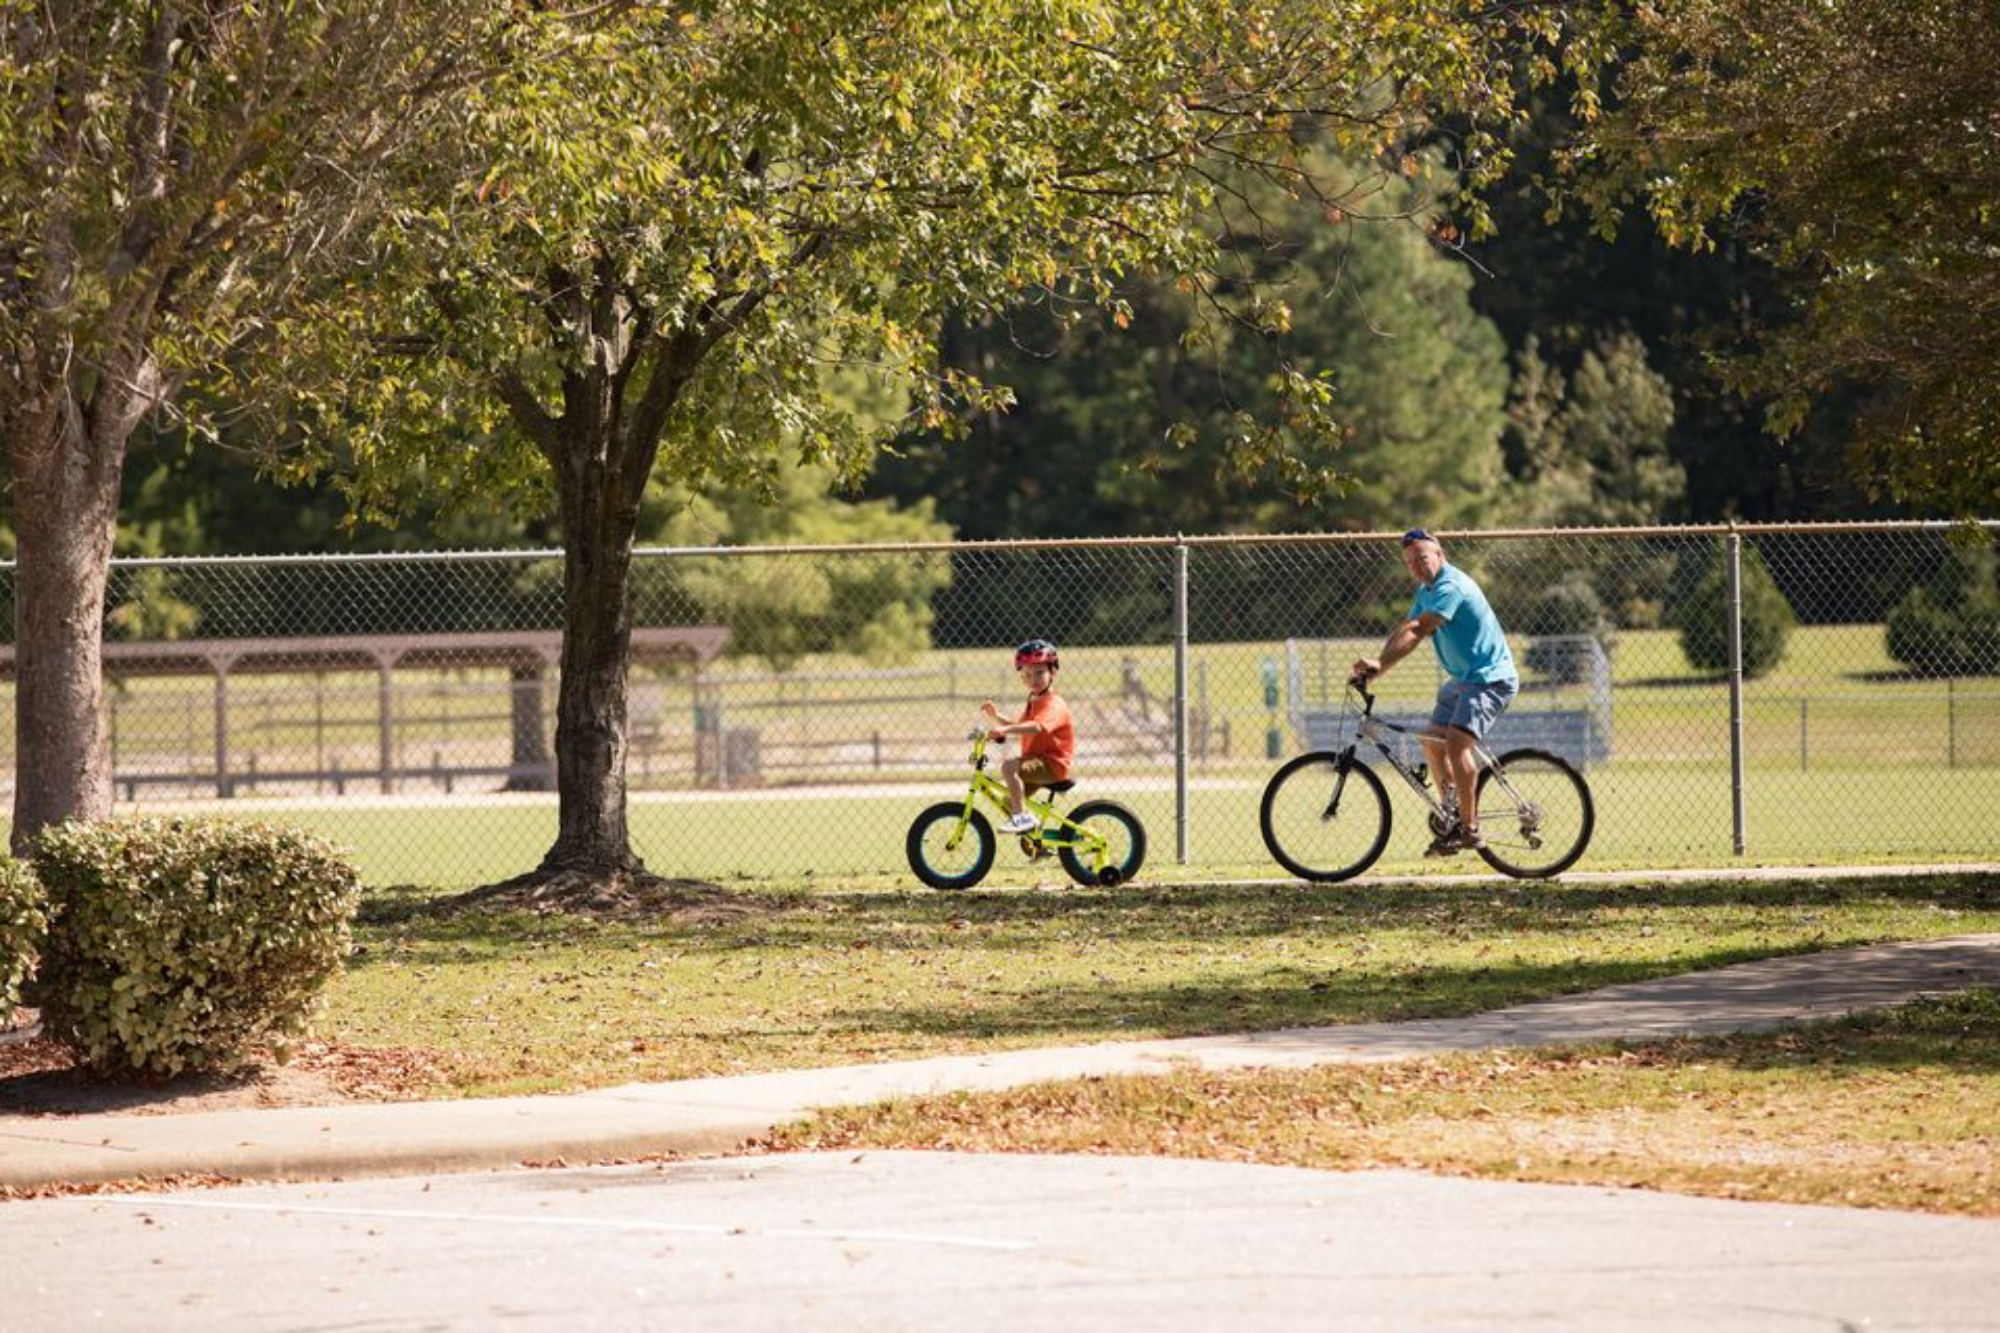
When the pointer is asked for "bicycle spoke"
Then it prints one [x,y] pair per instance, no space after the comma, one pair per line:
[1536,814]
[1323,819]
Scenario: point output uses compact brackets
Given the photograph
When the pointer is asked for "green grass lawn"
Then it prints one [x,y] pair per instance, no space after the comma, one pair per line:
[510,1003]
[1899,1109]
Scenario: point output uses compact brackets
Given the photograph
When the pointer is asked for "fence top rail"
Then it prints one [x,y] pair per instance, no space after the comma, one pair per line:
[1991,526]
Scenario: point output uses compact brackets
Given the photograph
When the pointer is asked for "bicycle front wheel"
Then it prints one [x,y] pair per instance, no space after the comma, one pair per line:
[949,848]
[1124,844]
[1325,816]
[1536,814]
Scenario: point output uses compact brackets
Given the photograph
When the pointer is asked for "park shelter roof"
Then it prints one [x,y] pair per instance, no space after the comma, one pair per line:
[689,645]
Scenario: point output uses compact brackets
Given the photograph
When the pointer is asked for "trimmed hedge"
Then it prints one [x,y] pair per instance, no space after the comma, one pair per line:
[181,945]
[23,925]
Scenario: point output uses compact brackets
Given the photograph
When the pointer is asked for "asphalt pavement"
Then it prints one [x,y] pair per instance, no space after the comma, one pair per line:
[971,1242]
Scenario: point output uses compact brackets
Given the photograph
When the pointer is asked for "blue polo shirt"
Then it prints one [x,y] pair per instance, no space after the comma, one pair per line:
[1470,643]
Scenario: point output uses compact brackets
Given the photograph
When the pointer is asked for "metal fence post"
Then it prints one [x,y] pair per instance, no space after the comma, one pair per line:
[1951,723]
[1181,702]
[1736,684]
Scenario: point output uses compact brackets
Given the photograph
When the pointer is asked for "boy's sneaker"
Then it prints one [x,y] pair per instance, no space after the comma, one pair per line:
[1021,823]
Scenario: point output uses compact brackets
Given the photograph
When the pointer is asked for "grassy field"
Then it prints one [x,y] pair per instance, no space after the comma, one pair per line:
[1885,1110]
[500,1004]
[1895,1111]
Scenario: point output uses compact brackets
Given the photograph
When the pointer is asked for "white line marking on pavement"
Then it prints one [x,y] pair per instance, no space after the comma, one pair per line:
[583,1223]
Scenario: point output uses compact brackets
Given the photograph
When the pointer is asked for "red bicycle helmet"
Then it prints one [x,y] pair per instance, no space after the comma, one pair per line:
[1036,652]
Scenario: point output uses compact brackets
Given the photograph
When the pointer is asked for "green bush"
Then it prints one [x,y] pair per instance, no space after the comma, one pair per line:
[1950,626]
[23,923]
[1702,616]
[180,945]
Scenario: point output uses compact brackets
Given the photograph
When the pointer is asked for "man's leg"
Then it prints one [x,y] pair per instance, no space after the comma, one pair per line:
[1436,740]
[1461,755]
[1481,707]
[1436,755]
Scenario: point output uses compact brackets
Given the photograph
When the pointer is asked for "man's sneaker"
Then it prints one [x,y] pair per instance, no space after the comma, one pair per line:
[1021,823]
[1445,844]
[1469,839]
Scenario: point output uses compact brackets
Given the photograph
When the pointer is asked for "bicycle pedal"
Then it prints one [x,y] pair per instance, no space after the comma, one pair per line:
[1034,847]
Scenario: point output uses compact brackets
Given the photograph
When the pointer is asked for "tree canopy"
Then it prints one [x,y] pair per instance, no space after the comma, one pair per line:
[640,252]
[1857,143]
[1151,428]
[174,177]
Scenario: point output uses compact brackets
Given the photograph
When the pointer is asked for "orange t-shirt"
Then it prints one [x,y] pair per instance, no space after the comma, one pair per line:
[1055,743]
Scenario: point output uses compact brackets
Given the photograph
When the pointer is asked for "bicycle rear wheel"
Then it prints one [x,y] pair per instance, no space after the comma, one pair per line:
[1536,814]
[1124,854]
[946,856]
[1325,816]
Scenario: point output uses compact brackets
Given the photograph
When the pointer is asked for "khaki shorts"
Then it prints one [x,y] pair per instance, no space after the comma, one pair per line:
[1037,773]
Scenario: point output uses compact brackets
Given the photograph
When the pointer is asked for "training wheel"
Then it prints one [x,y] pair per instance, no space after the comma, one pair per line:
[1110,877]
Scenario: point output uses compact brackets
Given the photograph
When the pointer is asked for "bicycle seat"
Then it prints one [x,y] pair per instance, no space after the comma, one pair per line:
[1060,787]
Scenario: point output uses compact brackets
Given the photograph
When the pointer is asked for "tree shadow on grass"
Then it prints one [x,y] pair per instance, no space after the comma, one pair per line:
[924,920]
[1960,1031]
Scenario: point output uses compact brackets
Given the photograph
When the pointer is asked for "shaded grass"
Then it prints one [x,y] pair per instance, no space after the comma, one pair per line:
[519,1003]
[1899,1109]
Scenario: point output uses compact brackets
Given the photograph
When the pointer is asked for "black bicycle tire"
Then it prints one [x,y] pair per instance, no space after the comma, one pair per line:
[1589,824]
[1081,814]
[1275,845]
[977,825]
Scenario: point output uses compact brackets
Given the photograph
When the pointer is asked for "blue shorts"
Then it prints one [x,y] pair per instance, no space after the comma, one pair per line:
[1473,706]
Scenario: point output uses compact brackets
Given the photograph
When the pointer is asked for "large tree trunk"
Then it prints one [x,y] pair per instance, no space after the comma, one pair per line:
[598,525]
[66,452]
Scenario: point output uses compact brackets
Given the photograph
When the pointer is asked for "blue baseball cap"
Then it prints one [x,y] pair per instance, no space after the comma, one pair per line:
[1415,535]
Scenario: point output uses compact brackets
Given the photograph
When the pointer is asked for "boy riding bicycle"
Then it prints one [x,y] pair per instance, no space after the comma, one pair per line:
[1046,729]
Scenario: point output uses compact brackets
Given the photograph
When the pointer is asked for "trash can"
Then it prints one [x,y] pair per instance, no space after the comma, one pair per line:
[743,764]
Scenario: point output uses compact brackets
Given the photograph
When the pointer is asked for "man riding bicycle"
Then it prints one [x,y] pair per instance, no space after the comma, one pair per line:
[1452,612]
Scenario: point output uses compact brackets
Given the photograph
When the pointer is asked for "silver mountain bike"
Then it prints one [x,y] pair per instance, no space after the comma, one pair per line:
[1325,815]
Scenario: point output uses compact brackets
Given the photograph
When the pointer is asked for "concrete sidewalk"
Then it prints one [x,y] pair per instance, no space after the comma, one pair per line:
[718,1114]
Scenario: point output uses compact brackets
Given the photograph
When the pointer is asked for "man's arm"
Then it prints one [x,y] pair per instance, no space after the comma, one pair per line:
[1402,641]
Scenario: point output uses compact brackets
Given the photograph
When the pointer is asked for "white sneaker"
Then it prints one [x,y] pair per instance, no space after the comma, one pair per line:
[1021,823]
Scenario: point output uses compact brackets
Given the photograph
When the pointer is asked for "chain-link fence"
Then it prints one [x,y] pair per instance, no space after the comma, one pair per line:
[1797,694]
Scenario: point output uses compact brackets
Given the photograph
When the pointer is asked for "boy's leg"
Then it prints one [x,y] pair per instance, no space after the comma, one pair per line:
[1017,790]
[1018,774]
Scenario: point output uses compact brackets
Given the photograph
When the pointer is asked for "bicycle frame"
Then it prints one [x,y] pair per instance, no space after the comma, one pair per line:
[1372,730]
[1038,841]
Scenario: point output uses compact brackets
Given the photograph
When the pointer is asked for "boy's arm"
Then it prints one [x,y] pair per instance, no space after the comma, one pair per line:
[1005,727]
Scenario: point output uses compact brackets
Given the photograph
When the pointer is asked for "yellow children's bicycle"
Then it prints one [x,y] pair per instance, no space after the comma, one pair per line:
[951,844]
